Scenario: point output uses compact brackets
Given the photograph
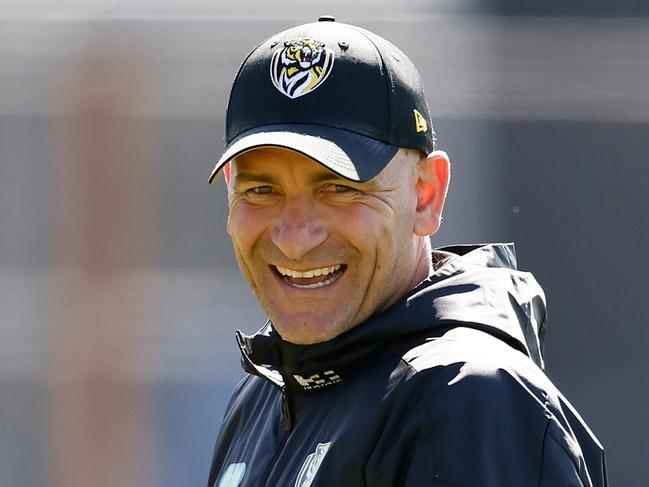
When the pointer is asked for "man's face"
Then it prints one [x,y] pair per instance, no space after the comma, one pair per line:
[320,252]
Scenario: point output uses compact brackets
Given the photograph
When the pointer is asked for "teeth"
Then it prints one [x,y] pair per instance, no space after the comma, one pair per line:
[321,271]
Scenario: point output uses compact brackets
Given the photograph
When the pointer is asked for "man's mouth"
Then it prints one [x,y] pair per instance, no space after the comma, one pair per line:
[311,278]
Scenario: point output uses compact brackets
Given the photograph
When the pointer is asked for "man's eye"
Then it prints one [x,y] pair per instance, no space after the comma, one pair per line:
[261,190]
[341,188]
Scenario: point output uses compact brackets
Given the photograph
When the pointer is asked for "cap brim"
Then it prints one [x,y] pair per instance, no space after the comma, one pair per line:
[350,155]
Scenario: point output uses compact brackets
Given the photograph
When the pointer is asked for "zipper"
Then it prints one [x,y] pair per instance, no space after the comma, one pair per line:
[287,416]
[273,462]
[287,420]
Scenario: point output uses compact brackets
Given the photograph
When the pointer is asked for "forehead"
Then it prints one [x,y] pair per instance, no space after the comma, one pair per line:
[278,161]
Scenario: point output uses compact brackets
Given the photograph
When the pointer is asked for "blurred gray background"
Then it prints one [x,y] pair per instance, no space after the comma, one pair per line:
[119,293]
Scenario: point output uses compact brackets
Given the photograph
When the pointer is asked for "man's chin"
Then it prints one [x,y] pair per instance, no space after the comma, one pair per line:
[308,332]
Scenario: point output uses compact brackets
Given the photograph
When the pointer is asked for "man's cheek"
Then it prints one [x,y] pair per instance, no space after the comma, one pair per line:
[246,266]
[241,226]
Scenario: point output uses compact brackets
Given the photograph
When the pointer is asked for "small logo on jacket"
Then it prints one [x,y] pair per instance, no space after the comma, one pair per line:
[300,66]
[317,381]
[232,475]
[311,465]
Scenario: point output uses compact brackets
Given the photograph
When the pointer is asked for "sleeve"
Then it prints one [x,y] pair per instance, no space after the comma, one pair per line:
[564,461]
[484,431]
[474,462]
[557,468]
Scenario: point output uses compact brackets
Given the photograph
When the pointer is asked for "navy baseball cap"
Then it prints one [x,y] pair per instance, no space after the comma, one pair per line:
[339,94]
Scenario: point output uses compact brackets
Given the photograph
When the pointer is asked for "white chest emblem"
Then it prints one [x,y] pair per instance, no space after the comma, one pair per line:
[232,475]
[311,465]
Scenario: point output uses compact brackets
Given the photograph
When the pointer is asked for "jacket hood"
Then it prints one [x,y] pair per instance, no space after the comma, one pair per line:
[477,287]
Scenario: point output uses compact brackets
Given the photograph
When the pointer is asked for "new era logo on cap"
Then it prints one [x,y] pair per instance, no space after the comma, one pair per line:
[420,121]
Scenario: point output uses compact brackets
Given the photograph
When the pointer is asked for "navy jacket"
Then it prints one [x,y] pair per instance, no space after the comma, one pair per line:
[443,388]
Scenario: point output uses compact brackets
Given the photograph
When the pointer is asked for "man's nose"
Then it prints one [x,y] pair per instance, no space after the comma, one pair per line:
[299,229]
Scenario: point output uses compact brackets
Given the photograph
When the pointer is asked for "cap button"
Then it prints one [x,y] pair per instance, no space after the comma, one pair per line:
[326,18]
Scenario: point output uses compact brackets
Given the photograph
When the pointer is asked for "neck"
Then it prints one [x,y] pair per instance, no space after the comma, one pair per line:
[424,262]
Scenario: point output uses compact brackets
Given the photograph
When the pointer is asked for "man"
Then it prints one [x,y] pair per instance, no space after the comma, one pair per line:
[383,363]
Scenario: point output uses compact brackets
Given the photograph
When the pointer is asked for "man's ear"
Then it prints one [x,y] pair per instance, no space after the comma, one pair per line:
[226,174]
[433,174]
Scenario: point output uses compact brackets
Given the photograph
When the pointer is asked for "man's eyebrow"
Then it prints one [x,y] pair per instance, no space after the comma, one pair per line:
[321,177]
[247,177]
[327,176]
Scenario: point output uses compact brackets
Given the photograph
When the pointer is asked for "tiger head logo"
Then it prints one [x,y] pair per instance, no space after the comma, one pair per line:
[300,66]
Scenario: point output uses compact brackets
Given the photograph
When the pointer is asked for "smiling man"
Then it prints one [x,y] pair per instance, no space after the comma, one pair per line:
[323,253]
[383,362]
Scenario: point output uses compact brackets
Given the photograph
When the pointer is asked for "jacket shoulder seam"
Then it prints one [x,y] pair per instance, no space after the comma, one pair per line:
[545,435]
[548,435]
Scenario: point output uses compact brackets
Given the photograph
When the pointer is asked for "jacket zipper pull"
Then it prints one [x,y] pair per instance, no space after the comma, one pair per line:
[286,412]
